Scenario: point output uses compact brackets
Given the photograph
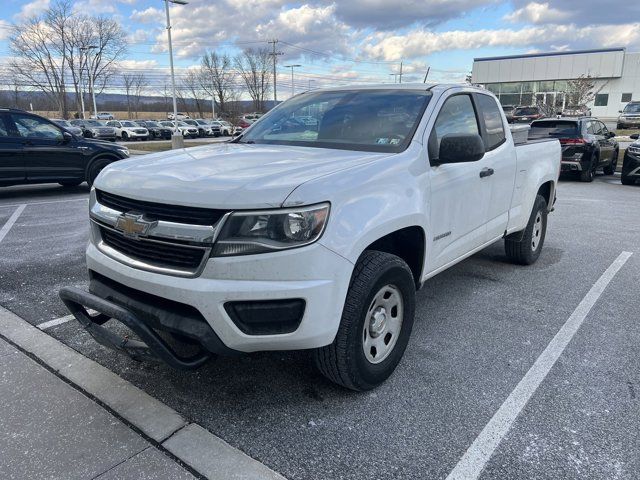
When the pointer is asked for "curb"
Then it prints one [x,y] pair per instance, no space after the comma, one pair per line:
[190,443]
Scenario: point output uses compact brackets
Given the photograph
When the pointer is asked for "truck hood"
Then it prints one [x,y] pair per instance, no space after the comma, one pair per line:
[229,176]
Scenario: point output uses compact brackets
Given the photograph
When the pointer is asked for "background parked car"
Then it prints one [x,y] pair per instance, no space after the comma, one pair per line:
[180,116]
[155,129]
[128,130]
[50,153]
[67,126]
[631,163]
[508,112]
[576,111]
[630,116]
[226,129]
[526,114]
[204,129]
[103,116]
[95,129]
[586,143]
[187,131]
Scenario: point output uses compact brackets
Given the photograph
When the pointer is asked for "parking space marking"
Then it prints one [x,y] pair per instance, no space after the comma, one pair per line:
[54,322]
[45,202]
[12,219]
[59,321]
[478,454]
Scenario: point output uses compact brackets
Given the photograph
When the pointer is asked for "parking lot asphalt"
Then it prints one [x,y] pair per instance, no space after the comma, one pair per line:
[479,327]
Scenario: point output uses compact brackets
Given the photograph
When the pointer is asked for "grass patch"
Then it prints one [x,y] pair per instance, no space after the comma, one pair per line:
[625,132]
[162,146]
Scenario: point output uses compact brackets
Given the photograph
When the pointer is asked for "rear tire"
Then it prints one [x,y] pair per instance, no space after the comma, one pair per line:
[125,136]
[588,174]
[526,249]
[611,168]
[376,323]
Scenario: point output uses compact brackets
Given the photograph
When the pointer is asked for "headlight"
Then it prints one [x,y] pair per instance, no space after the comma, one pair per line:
[246,233]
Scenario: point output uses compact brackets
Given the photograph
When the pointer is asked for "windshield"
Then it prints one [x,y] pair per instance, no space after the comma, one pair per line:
[62,123]
[181,124]
[129,124]
[632,108]
[526,111]
[367,120]
[93,123]
[553,128]
[151,124]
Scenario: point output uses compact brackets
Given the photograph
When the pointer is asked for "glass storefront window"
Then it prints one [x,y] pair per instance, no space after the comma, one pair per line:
[493,88]
[510,99]
[545,86]
[527,87]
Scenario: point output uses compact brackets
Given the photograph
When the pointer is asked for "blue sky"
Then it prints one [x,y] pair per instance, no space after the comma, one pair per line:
[359,40]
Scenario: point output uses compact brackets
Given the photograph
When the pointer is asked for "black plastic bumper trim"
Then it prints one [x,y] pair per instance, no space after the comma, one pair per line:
[153,348]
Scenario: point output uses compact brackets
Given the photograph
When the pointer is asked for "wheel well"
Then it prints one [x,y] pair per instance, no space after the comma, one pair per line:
[407,243]
[545,190]
[102,156]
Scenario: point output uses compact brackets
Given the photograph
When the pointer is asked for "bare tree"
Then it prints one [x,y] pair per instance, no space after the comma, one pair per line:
[51,51]
[39,48]
[217,78]
[255,69]
[191,86]
[582,90]
[134,86]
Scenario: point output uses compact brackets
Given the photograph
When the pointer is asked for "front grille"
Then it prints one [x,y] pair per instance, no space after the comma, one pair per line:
[141,131]
[161,211]
[154,252]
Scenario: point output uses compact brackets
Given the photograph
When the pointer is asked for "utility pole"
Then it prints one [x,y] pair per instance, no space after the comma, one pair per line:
[81,85]
[426,75]
[177,140]
[213,99]
[293,91]
[274,54]
[400,74]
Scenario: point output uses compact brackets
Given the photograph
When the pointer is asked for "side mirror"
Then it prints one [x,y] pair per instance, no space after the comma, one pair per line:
[634,136]
[66,137]
[611,134]
[461,147]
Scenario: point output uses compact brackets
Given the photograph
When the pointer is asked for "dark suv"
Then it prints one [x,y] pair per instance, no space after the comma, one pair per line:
[631,163]
[36,150]
[586,143]
[526,114]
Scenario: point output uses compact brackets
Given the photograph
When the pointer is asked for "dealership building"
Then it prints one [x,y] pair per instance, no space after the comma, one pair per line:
[542,78]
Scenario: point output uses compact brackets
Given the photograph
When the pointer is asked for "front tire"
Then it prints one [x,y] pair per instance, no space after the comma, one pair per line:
[376,323]
[95,168]
[125,136]
[524,248]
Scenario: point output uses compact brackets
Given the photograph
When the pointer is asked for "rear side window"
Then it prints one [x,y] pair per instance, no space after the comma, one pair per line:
[457,115]
[492,121]
[553,128]
[4,131]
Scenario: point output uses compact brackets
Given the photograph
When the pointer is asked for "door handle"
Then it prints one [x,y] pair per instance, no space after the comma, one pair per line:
[486,172]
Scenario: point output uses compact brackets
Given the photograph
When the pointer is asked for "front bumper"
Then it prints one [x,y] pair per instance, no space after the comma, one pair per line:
[314,274]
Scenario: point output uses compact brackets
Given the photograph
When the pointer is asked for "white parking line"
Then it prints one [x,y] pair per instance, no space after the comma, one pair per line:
[476,457]
[59,321]
[12,219]
[54,322]
[45,202]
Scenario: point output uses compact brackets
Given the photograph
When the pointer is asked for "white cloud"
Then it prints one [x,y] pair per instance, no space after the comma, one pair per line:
[420,42]
[31,9]
[148,15]
[537,13]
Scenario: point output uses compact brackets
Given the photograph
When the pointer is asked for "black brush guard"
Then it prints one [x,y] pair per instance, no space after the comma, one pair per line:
[152,346]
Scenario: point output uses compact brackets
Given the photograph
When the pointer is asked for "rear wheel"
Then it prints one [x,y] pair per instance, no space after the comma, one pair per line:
[376,323]
[611,168]
[524,248]
[587,174]
[125,136]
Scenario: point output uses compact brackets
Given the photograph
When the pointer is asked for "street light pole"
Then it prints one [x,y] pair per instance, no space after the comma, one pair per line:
[81,84]
[177,140]
[293,90]
[213,99]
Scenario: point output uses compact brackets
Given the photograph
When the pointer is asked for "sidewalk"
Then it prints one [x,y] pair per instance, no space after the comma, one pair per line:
[51,430]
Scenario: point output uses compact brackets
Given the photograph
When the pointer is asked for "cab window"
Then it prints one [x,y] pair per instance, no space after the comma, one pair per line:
[34,127]
[492,122]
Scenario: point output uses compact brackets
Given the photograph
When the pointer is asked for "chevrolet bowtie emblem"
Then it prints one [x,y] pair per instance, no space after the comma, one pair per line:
[132,225]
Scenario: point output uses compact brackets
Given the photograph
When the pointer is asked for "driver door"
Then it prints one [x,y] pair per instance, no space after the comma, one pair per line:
[460,196]
[48,155]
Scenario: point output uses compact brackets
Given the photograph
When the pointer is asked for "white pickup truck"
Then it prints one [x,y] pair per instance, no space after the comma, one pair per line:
[311,235]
